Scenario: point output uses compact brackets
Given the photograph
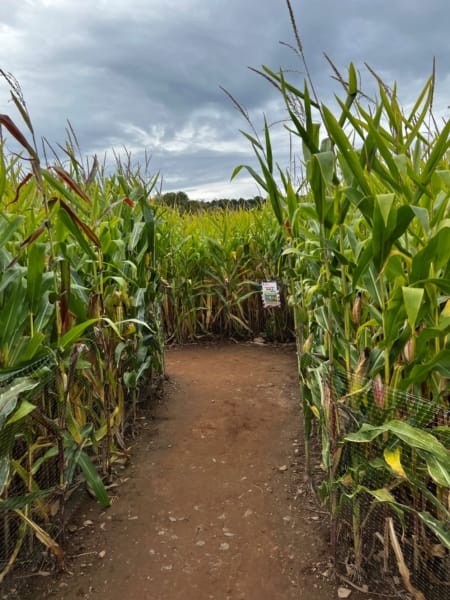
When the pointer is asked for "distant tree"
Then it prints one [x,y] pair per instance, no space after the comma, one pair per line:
[169,199]
[178,200]
[181,201]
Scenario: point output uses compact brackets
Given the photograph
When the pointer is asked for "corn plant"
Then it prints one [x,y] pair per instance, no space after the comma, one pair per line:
[81,333]
[212,265]
[367,268]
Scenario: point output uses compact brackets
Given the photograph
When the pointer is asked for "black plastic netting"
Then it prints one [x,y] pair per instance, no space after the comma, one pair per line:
[28,471]
[386,456]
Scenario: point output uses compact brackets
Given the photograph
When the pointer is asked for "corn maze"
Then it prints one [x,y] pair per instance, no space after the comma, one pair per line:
[96,276]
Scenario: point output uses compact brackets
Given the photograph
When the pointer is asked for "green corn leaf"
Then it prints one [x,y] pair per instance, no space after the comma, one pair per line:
[307,110]
[390,160]
[269,156]
[74,334]
[272,189]
[93,479]
[7,230]
[413,298]
[20,105]
[35,270]
[381,244]
[252,172]
[10,395]
[419,438]
[68,223]
[415,121]
[435,249]
[317,187]
[363,263]
[51,453]
[382,495]
[441,530]
[437,470]
[326,164]
[135,235]
[440,363]
[393,111]
[440,146]
[308,135]
[385,202]
[254,141]
[413,436]
[21,502]
[24,409]
[444,176]
[358,125]
[427,90]
[348,154]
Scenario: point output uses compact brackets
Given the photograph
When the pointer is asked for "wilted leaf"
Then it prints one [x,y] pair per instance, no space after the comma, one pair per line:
[392,457]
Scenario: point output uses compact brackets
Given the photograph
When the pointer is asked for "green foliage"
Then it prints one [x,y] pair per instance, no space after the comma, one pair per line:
[212,263]
[365,242]
[79,314]
[96,275]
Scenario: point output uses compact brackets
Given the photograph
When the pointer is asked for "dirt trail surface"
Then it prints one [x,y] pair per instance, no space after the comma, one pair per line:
[212,505]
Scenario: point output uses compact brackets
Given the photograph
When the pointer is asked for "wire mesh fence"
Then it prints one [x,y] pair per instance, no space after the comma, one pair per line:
[384,452]
[61,426]
[386,455]
[28,457]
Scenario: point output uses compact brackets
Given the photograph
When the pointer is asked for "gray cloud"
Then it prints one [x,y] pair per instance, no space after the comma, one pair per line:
[145,74]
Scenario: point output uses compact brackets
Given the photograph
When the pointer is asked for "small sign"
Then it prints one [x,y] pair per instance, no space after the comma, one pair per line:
[270,294]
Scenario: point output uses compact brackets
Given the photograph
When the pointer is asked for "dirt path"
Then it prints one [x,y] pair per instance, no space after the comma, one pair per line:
[212,506]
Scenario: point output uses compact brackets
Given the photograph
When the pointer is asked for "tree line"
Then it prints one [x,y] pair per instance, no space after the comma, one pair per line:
[183,203]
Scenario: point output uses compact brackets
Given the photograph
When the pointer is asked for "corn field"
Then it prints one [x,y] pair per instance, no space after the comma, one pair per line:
[367,249]
[97,276]
[80,311]
[212,267]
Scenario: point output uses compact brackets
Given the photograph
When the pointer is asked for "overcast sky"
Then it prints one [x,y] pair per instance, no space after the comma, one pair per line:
[145,74]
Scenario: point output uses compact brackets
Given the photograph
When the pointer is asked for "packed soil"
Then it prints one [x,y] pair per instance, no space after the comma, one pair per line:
[212,504]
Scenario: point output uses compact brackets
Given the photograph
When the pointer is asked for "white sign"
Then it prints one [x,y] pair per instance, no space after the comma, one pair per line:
[270,294]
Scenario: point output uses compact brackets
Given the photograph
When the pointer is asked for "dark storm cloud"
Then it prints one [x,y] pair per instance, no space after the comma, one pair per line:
[398,38]
[145,74]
